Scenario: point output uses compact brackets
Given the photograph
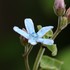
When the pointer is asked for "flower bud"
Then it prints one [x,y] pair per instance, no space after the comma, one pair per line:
[23,40]
[68,14]
[59,7]
[39,27]
[63,23]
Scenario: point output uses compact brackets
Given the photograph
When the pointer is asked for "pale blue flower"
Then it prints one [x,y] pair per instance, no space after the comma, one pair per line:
[31,35]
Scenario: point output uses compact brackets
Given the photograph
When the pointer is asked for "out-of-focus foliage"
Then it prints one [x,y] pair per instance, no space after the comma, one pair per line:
[64,55]
[47,6]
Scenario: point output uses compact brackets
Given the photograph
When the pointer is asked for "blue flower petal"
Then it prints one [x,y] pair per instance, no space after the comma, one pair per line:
[21,32]
[44,30]
[29,25]
[46,41]
[32,42]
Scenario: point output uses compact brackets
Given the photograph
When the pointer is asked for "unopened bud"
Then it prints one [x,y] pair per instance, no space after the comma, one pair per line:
[23,40]
[59,7]
[68,14]
[39,27]
[63,23]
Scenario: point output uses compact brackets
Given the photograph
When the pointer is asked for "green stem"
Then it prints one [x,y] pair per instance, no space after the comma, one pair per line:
[56,33]
[28,49]
[58,30]
[26,62]
[38,58]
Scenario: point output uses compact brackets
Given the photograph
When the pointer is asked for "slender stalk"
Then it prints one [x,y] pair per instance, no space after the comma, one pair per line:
[58,30]
[26,62]
[38,58]
[56,33]
[28,49]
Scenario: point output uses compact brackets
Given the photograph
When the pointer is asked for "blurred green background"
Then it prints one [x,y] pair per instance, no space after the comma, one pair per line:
[13,12]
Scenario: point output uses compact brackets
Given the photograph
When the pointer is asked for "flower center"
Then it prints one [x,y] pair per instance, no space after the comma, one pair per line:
[34,36]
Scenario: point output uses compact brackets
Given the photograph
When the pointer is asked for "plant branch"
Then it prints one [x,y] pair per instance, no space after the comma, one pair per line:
[58,30]
[38,58]
[56,33]
[28,49]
